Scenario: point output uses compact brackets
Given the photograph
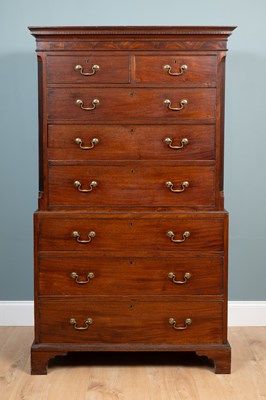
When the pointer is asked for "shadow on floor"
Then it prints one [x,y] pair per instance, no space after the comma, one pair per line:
[178,359]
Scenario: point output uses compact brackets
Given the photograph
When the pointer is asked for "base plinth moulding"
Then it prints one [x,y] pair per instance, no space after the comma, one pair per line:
[219,354]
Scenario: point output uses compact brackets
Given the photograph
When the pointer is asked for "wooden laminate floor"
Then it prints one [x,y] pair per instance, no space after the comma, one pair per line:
[133,376]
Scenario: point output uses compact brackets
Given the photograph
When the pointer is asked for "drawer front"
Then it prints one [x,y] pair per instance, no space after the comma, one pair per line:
[88,69]
[134,104]
[93,276]
[118,142]
[191,70]
[131,185]
[130,321]
[125,232]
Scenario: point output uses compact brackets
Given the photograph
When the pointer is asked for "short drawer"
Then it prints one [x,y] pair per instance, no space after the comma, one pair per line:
[87,69]
[132,184]
[177,70]
[98,104]
[101,276]
[122,232]
[135,142]
[130,322]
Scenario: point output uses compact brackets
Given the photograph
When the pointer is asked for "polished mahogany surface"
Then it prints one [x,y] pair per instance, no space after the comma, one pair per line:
[131,235]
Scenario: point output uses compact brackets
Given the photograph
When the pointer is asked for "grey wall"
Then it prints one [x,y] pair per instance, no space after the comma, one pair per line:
[245,145]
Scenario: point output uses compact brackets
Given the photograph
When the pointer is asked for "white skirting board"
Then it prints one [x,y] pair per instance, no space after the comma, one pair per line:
[240,313]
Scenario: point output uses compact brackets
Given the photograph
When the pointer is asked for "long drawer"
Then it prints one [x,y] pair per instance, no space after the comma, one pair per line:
[135,142]
[130,322]
[100,276]
[132,184]
[123,103]
[123,232]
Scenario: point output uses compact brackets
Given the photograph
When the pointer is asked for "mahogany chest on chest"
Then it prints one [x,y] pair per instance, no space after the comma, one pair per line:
[131,235]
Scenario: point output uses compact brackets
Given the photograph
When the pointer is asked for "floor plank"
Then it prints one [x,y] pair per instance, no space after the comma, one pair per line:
[133,376]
